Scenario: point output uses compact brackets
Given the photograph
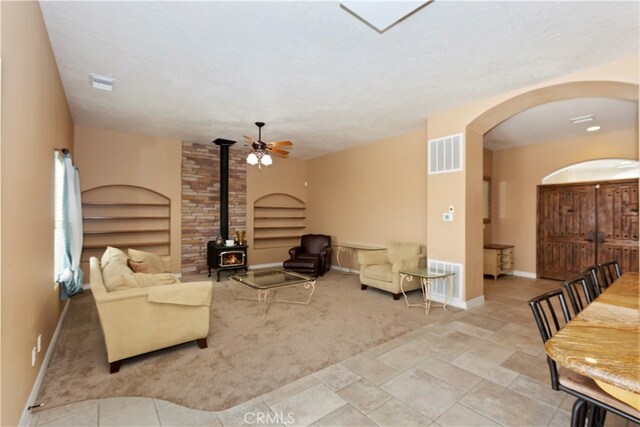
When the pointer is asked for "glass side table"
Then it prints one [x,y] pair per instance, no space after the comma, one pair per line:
[428,278]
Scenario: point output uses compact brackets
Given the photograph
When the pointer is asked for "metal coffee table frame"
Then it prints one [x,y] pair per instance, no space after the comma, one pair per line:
[267,283]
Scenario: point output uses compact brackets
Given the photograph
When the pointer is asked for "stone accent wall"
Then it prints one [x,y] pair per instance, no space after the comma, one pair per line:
[201,200]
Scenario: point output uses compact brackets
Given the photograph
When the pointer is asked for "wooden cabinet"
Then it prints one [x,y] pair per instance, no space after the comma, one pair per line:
[498,259]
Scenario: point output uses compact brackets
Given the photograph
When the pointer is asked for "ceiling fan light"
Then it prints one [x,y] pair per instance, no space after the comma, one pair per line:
[252,159]
[266,160]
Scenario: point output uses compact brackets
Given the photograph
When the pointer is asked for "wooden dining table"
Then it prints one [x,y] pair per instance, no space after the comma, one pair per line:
[603,341]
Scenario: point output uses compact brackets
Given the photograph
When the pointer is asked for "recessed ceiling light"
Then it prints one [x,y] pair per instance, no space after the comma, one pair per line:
[593,128]
[582,119]
[102,82]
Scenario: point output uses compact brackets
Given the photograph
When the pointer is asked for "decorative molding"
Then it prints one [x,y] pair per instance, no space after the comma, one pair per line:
[25,419]
[526,274]
[345,269]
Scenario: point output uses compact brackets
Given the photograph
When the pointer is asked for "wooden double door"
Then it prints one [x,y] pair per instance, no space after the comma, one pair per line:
[580,225]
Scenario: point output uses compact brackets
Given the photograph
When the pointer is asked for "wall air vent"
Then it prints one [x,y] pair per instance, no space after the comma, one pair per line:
[445,154]
[102,82]
[440,288]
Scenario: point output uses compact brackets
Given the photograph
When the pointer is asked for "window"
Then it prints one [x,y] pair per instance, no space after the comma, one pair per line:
[59,232]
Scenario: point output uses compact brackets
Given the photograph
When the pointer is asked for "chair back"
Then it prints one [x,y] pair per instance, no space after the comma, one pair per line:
[314,243]
[592,274]
[581,293]
[545,310]
[610,272]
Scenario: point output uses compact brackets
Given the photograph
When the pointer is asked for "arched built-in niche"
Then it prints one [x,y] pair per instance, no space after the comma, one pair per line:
[125,216]
[278,221]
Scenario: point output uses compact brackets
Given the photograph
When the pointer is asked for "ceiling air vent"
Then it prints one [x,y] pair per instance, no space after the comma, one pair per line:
[102,82]
[445,154]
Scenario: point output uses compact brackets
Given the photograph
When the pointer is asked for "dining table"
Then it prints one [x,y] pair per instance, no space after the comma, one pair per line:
[603,341]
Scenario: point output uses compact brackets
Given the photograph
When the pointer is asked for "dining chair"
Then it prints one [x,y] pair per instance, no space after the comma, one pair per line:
[580,292]
[551,313]
[592,274]
[610,272]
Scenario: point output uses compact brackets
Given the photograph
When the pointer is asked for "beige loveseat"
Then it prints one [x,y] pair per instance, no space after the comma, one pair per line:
[145,317]
[381,269]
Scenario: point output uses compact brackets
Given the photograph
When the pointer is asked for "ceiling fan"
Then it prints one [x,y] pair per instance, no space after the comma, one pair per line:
[259,154]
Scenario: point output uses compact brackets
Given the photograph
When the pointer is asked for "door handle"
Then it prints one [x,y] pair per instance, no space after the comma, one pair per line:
[591,236]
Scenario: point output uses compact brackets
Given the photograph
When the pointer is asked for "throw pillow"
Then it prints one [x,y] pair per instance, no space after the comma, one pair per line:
[117,276]
[145,280]
[137,267]
[112,254]
[153,262]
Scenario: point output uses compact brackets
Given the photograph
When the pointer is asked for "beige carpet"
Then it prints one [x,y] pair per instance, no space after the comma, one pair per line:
[247,356]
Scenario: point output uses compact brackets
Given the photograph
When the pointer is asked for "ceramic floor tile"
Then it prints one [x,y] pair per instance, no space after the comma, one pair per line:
[62,411]
[528,365]
[447,346]
[336,376]
[310,405]
[444,371]
[566,405]
[395,413]
[87,417]
[537,390]
[490,352]
[364,395]
[176,415]
[288,390]
[507,407]
[424,393]
[371,369]
[531,344]
[481,321]
[469,329]
[382,348]
[249,414]
[484,369]
[560,419]
[460,415]
[345,416]
[127,411]
[403,357]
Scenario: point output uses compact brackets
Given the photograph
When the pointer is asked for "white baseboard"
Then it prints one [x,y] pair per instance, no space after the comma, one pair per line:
[25,419]
[527,274]
[474,302]
[455,302]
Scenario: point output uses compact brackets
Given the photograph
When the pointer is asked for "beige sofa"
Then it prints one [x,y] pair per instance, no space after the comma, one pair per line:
[149,317]
[381,269]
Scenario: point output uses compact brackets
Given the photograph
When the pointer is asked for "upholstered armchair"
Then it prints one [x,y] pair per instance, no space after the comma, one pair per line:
[312,257]
[381,269]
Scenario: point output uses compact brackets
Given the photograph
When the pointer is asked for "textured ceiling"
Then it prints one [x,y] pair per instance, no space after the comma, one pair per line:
[550,122]
[313,72]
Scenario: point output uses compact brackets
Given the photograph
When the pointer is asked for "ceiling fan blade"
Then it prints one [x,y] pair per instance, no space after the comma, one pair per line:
[278,151]
[281,144]
[249,139]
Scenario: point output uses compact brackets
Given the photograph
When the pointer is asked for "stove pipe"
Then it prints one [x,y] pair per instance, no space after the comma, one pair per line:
[224,185]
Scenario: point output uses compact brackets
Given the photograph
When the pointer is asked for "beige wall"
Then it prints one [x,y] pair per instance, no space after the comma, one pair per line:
[35,120]
[284,176]
[461,240]
[107,157]
[518,172]
[372,194]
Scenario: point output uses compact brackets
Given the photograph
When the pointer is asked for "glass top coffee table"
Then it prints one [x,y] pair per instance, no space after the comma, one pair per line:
[427,280]
[267,283]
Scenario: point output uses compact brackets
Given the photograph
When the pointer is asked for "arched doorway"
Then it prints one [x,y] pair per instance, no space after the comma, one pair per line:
[483,123]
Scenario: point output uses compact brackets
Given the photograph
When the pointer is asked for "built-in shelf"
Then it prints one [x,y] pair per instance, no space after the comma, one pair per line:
[273,215]
[126,216]
[157,230]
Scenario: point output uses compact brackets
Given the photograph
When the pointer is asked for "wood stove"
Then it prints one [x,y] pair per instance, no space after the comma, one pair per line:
[223,258]
[226,258]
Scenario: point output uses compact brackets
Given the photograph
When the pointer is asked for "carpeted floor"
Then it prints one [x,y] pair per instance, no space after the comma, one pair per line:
[247,356]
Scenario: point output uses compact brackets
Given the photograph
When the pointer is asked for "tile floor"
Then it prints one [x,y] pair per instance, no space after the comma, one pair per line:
[481,367]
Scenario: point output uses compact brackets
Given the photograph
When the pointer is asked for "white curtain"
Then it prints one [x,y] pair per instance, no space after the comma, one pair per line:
[71,277]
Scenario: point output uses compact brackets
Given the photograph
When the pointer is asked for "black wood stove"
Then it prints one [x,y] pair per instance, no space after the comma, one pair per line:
[223,258]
